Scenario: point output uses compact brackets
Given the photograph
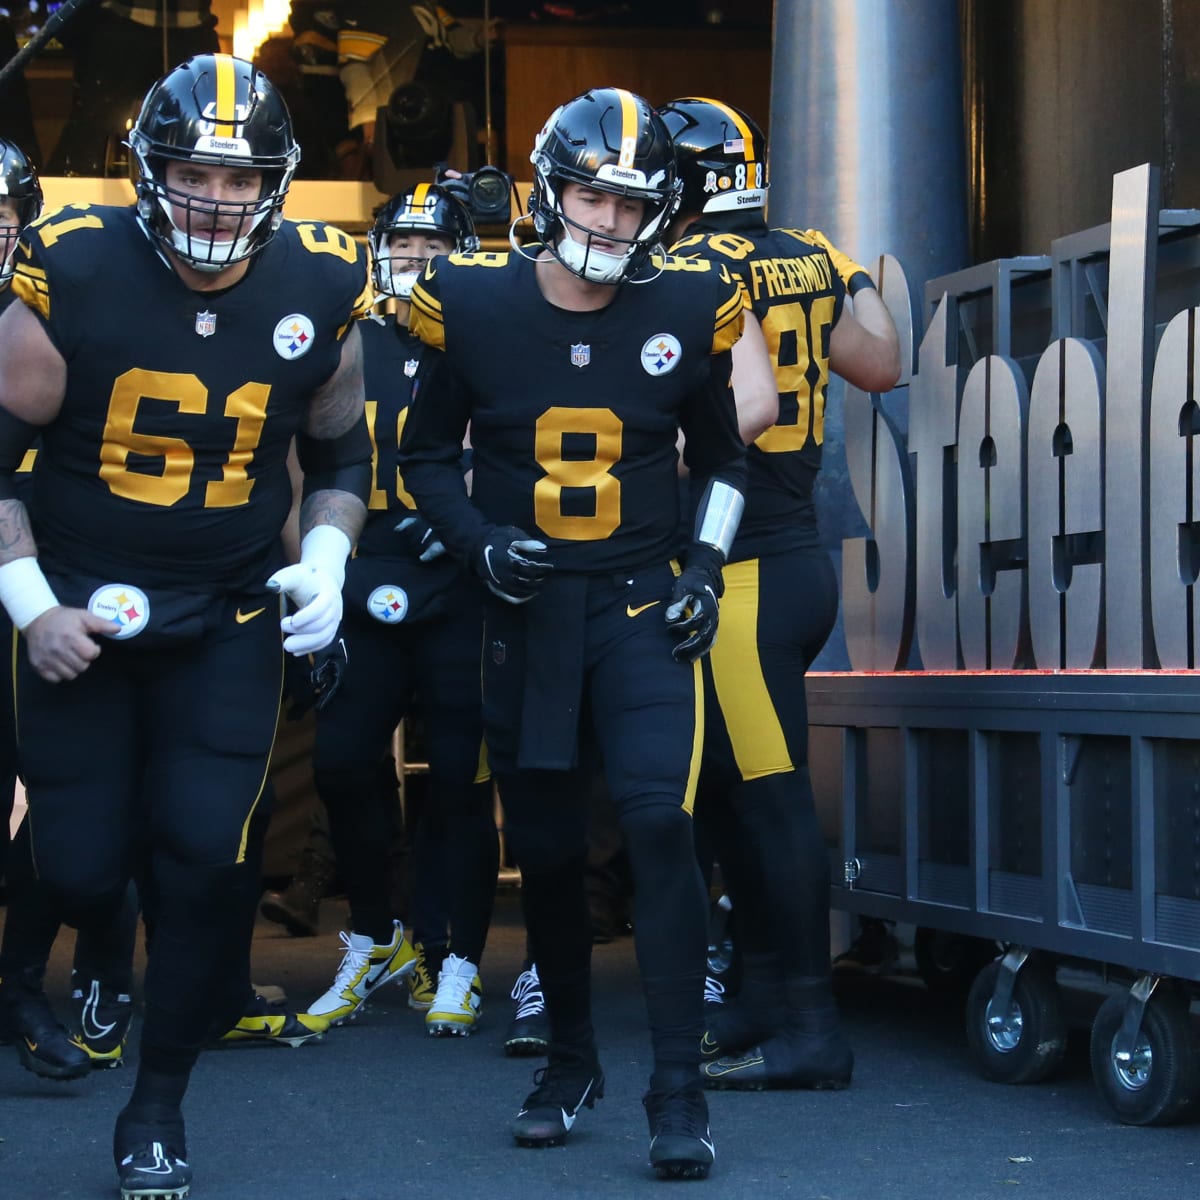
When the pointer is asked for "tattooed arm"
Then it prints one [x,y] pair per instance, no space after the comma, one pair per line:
[33,381]
[334,449]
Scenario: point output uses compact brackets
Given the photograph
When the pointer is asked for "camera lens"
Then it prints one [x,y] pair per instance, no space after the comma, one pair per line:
[489,190]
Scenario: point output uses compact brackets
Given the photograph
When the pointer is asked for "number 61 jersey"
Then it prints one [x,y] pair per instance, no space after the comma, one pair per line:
[167,462]
[574,416]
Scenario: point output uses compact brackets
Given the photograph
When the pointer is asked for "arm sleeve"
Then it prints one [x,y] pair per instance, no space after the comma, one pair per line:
[713,448]
[430,456]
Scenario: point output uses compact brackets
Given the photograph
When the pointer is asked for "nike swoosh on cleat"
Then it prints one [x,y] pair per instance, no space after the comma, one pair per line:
[568,1118]
[630,611]
[89,1014]
[242,617]
[708,1046]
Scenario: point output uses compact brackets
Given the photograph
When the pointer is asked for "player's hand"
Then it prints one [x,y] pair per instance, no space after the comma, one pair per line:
[417,534]
[854,275]
[693,611]
[313,684]
[513,564]
[62,642]
[318,597]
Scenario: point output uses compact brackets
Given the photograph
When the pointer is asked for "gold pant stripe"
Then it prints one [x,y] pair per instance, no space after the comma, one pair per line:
[759,747]
[689,795]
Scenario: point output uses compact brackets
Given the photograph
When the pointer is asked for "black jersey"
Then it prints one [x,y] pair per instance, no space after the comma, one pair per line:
[797,296]
[574,416]
[167,461]
[390,358]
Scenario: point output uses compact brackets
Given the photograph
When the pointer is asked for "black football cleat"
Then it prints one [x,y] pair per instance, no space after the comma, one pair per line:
[44,1046]
[681,1145]
[562,1087]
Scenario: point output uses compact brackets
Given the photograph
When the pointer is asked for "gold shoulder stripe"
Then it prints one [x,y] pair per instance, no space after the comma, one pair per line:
[32,291]
[426,302]
[427,327]
[726,332]
[726,310]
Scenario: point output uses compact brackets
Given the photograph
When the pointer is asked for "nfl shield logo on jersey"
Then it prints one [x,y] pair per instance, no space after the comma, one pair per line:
[581,355]
[123,603]
[206,323]
[410,367]
[388,604]
[293,336]
[661,354]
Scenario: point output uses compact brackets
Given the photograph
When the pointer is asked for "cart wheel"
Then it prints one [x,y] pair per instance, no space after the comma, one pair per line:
[949,962]
[1160,1079]
[1026,1043]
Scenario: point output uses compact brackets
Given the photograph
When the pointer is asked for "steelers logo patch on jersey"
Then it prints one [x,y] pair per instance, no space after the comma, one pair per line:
[388,604]
[294,336]
[123,603]
[661,353]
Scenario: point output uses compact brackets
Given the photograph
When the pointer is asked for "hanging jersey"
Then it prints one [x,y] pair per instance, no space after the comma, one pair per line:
[797,296]
[167,461]
[574,415]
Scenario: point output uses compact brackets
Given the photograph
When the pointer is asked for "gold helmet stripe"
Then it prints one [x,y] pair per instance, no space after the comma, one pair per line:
[420,198]
[225,114]
[629,127]
[753,151]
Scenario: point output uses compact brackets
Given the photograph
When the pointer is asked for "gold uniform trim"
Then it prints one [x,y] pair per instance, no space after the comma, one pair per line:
[225,116]
[689,795]
[759,746]
[728,323]
[420,198]
[29,284]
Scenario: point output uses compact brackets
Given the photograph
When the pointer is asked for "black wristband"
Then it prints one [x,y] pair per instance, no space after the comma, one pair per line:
[858,281]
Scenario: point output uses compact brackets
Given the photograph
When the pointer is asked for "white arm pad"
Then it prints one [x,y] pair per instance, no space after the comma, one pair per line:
[24,591]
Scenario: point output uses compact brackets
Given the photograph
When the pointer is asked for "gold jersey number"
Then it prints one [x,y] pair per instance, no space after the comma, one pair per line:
[791,332]
[604,429]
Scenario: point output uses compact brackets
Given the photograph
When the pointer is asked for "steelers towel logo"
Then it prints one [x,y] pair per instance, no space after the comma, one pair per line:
[294,336]
[661,354]
[388,604]
[123,603]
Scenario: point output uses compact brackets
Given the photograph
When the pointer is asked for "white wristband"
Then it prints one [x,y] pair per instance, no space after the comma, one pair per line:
[24,591]
[327,547]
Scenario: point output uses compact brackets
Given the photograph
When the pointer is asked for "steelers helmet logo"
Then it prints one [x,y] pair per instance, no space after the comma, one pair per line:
[661,354]
[123,603]
[294,336]
[388,604]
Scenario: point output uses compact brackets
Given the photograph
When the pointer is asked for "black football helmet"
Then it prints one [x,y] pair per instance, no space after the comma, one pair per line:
[613,141]
[426,209]
[722,155]
[20,190]
[219,111]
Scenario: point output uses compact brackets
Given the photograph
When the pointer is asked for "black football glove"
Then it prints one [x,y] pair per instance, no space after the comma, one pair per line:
[417,534]
[693,608]
[512,564]
[315,687]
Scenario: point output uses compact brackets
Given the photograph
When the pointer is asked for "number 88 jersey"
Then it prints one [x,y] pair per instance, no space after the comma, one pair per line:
[792,288]
[167,461]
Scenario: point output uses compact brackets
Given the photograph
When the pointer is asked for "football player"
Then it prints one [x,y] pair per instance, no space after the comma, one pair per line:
[755,790]
[411,631]
[577,360]
[145,604]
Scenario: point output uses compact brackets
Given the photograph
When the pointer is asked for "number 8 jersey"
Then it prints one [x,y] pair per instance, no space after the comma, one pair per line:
[574,415]
[167,462]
